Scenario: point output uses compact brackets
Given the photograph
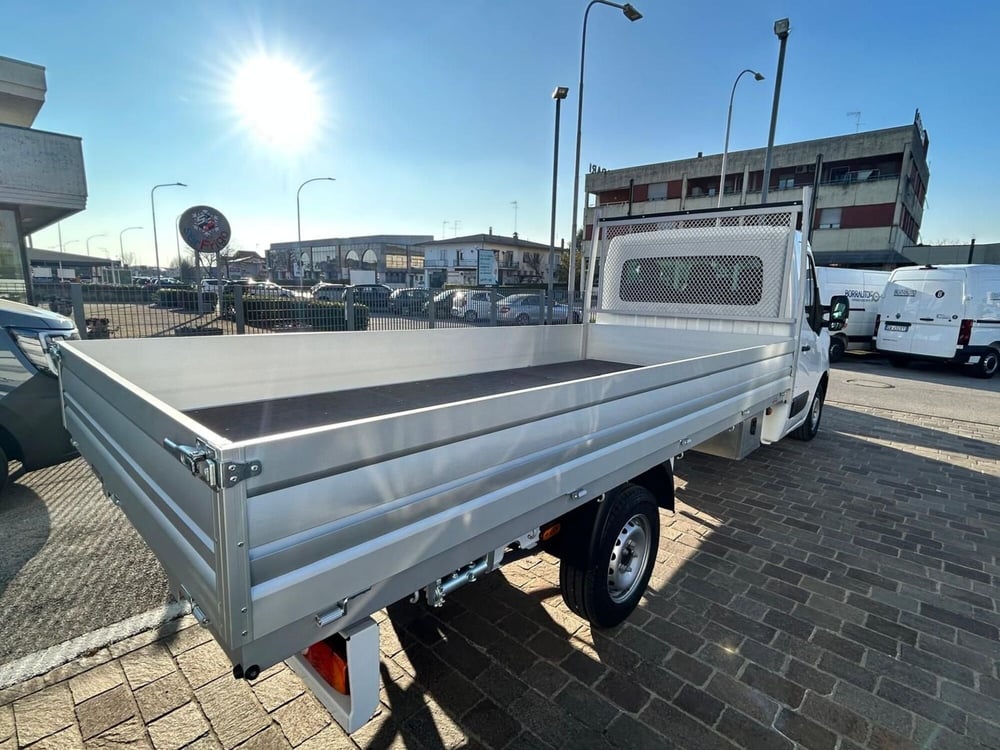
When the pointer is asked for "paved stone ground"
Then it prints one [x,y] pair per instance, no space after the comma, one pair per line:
[834,594]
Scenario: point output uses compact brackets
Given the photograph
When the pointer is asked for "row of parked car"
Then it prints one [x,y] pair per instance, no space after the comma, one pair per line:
[471,305]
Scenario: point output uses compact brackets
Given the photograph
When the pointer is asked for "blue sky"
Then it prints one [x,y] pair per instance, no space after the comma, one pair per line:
[429,112]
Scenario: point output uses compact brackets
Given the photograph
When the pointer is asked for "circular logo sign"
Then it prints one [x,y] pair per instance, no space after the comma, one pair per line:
[204,229]
[939,293]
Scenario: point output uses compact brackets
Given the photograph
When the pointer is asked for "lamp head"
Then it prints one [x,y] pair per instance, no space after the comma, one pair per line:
[560,92]
[630,12]
[757,76]
[781,28]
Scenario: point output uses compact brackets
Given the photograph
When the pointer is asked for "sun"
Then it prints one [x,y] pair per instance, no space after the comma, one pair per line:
[276,102]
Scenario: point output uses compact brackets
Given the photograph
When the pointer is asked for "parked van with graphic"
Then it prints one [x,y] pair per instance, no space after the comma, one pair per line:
[864,289]
[947,313]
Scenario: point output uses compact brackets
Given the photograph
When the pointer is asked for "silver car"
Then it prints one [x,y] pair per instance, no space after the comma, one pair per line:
[524,309]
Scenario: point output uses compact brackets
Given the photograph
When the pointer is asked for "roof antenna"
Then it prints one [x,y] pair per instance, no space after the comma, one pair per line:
[857,119]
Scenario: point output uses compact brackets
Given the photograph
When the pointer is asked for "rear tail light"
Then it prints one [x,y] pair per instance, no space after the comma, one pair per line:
[878,322]
[964,333]
[329,659]
[505,308]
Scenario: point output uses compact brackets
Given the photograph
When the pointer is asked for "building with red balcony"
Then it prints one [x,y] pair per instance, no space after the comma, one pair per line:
[869,193]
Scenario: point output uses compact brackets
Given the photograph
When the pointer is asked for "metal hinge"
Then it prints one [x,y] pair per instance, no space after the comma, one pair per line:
[201,461]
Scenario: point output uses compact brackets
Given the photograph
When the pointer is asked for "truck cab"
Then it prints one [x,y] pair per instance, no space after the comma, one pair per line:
[31,425]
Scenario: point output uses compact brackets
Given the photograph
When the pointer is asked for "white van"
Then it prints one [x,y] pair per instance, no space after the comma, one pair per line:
[864,289]
[942,313]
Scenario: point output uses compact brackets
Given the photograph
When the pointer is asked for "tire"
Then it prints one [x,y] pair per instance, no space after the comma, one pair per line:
[605,583]
[808,429]
[987,365]
[522,319]
[899,362]
[837,349]
[470,316]
[4,470]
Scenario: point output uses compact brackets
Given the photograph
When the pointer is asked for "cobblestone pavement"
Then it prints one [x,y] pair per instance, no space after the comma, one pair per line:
[834,594]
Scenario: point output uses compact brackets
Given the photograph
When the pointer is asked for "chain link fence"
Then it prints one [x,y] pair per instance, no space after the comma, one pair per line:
[114,311]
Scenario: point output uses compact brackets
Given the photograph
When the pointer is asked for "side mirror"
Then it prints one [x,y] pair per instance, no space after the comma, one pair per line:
[840,309]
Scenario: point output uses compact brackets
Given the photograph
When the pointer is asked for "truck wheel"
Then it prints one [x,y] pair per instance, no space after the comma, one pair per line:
[808,429]
[837,349]
[522,319]
[604,585]
[470,316]
[988,364]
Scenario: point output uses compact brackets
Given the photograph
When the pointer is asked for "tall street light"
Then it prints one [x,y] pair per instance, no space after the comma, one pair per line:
[559,94]
[152,205]
[92,237]
[729,121]
[121,244]
[781,31]
[632,15]
[67,244]
[298,219]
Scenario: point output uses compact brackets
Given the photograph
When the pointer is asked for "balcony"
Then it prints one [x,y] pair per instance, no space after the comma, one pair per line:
[41,173]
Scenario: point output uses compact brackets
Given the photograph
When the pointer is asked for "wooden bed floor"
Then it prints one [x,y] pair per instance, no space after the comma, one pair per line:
[276,415]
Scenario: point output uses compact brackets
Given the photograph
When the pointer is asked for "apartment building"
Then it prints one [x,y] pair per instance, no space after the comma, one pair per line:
[870,190]
[518,261]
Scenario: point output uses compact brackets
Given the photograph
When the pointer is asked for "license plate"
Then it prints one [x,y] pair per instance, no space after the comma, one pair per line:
[894,327]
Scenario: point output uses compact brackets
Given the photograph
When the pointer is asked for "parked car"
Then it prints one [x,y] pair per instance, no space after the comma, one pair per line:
[270,289]
[31,423]
[211,285]
[166,282]
[474,304]
[408,301]
[329,292]
[442,303]
[374,296]
[523,309]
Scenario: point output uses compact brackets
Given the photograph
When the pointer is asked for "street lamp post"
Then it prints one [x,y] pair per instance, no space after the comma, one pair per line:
[92,237]
[121,245]
[729,121]
[67,244]
[298,222]
[780,31]
[559,94]
[632,15]
[152,205]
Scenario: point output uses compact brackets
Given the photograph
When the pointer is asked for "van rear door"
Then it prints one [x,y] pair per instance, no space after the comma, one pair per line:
[922,312]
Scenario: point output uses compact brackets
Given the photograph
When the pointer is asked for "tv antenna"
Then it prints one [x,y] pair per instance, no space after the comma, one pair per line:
[857,119]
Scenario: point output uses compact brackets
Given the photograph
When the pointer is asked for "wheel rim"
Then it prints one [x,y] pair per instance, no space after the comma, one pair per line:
[629,557]
[815,412]
[522,319]
[990,362]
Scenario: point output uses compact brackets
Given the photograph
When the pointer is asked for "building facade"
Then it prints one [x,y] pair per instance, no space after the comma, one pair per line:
[455,260]
[869,190]
[396,259]
[42,177]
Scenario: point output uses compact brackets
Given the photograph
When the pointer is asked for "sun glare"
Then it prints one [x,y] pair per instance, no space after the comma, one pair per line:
[276,102]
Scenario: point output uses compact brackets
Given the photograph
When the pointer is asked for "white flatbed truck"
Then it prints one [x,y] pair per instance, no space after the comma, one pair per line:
[293,485]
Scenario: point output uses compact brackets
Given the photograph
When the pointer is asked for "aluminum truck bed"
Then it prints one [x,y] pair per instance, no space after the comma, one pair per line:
[286,524]
[276,415]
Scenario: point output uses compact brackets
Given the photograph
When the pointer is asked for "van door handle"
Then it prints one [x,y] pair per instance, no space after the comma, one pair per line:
[928,320]
[806,348]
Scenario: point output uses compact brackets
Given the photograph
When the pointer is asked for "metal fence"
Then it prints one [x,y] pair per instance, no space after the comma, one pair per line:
[111,311]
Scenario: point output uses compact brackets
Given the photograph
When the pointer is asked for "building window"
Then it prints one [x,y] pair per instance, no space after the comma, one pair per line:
[786,183]
[657,191]
[829,218]
[839,174]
